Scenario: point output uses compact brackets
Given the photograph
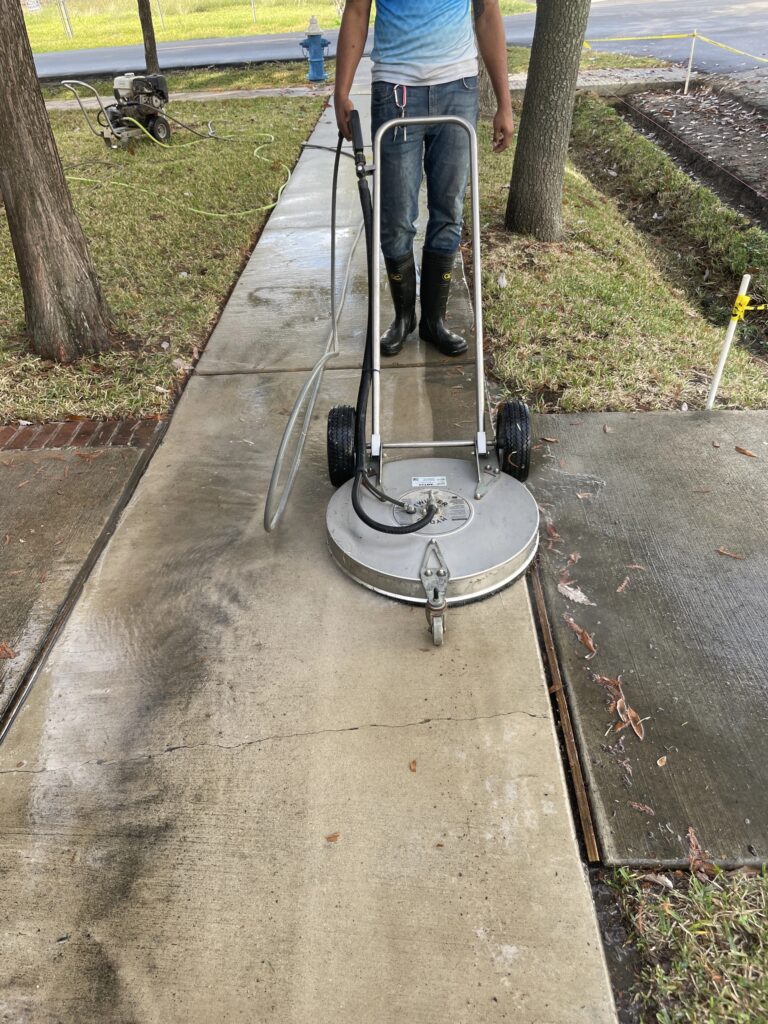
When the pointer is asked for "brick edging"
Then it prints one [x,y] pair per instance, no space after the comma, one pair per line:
[135,433]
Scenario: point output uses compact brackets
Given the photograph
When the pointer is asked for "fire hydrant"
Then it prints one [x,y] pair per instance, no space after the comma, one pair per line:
[314,46]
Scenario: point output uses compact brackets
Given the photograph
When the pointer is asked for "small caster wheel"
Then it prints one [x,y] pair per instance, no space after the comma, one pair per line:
[438,630]
[159,128]
[341,444]
[513,438]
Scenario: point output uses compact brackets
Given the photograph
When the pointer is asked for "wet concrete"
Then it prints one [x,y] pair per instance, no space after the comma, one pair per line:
[53,509]
[648,505]
[245,788]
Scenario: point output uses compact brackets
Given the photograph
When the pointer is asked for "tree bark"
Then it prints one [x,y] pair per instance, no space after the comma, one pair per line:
[65,311]
[148,32]
[535,199]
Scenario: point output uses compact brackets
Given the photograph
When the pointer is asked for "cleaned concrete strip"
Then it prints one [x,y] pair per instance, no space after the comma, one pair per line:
[654,506]
[55,504]
[246,788]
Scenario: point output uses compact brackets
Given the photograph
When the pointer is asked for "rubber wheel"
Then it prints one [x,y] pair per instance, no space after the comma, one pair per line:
[341,444]
[438,631]
[513,438]
[159,128]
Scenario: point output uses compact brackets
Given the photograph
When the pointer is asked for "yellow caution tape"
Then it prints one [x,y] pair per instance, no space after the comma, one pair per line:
[742,306]
[732,49]
[674,35]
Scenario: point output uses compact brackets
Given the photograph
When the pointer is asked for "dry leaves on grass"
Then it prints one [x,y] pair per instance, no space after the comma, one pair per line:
[698,858]
[585,638]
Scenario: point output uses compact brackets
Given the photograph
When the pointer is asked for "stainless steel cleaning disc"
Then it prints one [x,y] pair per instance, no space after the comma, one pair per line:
[485,542]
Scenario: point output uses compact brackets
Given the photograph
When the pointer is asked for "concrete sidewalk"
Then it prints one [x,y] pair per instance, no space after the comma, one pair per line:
[244,788]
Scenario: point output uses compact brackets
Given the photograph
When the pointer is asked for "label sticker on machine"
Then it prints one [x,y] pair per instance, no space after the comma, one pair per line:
[453,510]
[429,481]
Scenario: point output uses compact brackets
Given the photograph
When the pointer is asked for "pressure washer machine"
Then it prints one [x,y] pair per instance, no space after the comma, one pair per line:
[431,530]
[138,108]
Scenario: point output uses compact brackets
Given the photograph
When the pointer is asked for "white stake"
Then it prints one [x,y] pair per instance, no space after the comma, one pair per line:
[253,10]
[65,17]
[690,64]
[726,345]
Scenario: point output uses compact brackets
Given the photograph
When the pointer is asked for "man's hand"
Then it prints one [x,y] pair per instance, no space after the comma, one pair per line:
[343,105]
[503,129]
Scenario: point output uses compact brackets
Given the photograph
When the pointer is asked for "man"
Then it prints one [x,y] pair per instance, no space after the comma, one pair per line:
[424,63]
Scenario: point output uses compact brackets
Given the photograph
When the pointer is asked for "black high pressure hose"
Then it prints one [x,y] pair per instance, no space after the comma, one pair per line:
[361,409]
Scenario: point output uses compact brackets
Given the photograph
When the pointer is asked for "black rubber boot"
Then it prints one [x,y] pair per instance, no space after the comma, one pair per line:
[436,272]
[402,284]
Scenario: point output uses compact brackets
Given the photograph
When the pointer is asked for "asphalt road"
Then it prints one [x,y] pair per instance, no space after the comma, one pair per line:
[742,25]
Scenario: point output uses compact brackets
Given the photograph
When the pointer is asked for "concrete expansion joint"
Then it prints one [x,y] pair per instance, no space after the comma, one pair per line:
[206,744]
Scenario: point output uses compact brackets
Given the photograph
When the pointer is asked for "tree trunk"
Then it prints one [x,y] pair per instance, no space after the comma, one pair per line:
[148,32]
[65,311]
[536,191]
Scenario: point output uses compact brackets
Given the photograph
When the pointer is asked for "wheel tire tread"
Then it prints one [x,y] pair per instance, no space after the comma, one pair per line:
[341,444]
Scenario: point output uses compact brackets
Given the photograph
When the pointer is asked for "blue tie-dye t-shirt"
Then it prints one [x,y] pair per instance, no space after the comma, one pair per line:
[423,42]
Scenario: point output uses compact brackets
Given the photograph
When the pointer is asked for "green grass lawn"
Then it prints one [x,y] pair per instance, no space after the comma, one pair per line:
[164,269]
[591,60]
[703,945]
[604,320]
[252,76]
[279,75]
[116,22]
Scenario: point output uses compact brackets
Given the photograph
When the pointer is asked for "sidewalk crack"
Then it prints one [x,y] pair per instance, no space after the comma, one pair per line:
[275,737]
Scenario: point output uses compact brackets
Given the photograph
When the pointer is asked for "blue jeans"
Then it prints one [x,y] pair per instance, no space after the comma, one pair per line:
[442,149]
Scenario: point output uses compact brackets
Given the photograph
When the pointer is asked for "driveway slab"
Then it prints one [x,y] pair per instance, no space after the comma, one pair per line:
[668,518]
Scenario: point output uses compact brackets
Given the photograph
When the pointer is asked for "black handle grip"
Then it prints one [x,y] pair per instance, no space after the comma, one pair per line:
[358,146]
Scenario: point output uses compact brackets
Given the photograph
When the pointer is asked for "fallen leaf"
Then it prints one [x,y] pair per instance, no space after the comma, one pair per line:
[551,440]
[623,586]
[643,807]
[730,554]
[573,558]
[658,880]
[88,456]
[612,685]
[640,567]
[6,652]
[552,532]
[584,494]
[622,710]
[607,429]
[7,539]
[412,766]
[635,722]
[333,837]
[575,594]
[23,483]
[662,761]
[439,845]
[715,444]
[588,640]
[745,451]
